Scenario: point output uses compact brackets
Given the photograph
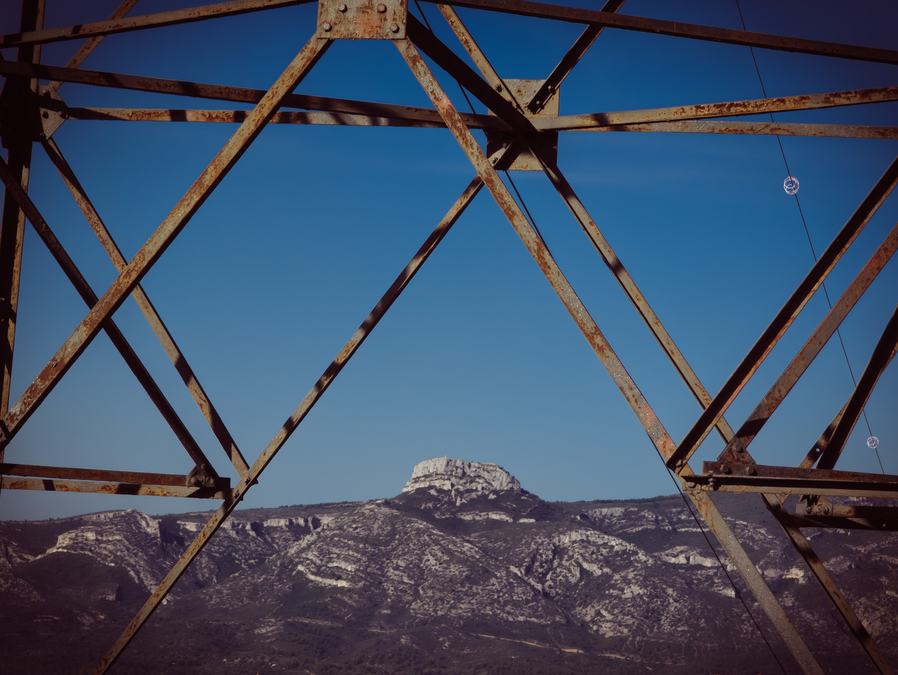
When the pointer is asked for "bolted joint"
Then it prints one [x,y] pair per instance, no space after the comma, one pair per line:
[362,19]
[545,143]
[200,477]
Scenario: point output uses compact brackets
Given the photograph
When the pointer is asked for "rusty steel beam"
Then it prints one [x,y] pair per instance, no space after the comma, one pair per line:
[778,391]
[138,477]
[588,121]
[115,335]
[110,488]
[90,45]
[567,63]
[155,246]
[741,477]
[880,358]
[226,93]
[784,318]
[679,29]
[820,446]
[174,353]
[144,21]
[754,128]
[603,350]
[467,77]
[873,518]
[12,219]
[292,423]
[754,106]
[237,116]
[348,119]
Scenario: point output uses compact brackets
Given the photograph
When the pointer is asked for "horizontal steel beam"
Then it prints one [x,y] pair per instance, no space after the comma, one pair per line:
[140,477]
[347,119]
[753,106]
[738,477]
[110,488]
[753,129]
[679,29]
[237,116]
[156,20]
[223,92]
[840,516]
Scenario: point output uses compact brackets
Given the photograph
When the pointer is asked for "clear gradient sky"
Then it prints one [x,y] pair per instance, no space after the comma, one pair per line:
[478,359]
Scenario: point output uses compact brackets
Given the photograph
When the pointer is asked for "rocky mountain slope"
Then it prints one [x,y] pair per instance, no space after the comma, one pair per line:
[464,571]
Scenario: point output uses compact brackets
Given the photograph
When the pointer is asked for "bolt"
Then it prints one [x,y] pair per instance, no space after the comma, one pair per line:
[381,8]
[326,26]
[45,115]
[394,28]
[342,7]
[498,87]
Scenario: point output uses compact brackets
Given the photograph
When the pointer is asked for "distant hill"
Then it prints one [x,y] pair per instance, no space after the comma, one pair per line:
[463,572]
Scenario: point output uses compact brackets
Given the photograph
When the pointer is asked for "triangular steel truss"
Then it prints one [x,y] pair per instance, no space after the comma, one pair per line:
[523,130]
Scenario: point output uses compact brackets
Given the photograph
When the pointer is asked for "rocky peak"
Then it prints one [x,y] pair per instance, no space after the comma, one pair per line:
[457,475]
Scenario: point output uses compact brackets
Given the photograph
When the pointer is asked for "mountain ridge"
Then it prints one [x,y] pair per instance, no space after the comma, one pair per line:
[465,571]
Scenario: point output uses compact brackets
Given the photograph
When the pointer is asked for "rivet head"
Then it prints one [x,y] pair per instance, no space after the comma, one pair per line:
[498,87]
[326,26]
[394,28]
[45,115]
[381,7]
[342,7]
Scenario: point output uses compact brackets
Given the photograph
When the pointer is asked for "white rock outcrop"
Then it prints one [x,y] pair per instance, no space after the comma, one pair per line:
[457,475]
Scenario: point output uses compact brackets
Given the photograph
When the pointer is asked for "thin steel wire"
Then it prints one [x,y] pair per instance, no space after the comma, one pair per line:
[807,233]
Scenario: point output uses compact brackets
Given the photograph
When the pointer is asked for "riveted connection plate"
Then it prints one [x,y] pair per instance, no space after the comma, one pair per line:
[362,19]
[523,91]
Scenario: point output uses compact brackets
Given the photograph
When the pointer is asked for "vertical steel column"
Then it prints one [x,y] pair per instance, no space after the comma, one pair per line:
[12,224]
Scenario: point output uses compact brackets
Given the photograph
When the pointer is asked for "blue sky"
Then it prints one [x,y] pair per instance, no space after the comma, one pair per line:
[478,359]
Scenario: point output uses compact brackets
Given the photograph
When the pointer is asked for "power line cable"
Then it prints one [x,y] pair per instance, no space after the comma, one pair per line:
[807,233]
